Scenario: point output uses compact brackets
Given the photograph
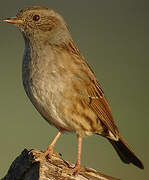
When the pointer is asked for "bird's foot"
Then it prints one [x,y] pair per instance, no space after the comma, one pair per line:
[72,170]
[76,170]
[48,152]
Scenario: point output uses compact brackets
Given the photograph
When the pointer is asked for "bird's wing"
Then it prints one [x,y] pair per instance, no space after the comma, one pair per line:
[99,104]
[97,100]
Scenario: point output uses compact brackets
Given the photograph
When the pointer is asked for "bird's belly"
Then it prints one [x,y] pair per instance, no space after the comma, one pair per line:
[46,95]
[59,110]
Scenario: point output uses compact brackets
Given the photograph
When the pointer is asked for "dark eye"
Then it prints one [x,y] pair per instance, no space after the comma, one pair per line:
[36,17]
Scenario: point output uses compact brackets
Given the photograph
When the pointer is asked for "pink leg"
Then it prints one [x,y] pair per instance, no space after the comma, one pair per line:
[77,166]
[50,148]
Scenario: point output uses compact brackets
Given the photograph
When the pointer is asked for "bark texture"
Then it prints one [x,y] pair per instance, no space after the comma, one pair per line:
[32,165]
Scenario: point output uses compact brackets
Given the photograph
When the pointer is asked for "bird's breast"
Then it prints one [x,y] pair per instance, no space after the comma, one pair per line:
[43,80]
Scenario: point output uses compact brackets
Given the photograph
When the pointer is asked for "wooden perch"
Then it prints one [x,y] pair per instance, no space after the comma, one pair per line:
[32,165]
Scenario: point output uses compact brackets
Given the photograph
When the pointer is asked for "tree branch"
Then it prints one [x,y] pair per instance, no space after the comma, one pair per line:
[32,165]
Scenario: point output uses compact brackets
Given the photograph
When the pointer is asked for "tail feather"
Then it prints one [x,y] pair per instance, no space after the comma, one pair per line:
[125,153]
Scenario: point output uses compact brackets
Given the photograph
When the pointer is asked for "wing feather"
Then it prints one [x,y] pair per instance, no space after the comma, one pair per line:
[99,105]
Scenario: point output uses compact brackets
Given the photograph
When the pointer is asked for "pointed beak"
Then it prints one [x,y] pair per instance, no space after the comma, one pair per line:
[14,20]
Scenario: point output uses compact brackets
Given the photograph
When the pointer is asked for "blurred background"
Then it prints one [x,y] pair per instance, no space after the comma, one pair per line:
[113,37]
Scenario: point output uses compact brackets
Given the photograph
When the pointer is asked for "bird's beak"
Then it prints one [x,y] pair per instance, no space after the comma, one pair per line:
[14,20]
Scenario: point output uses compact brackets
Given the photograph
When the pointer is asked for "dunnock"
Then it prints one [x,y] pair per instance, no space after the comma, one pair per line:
[61,85]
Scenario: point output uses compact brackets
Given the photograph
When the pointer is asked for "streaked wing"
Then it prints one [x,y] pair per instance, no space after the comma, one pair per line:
[98,102]
[99,105]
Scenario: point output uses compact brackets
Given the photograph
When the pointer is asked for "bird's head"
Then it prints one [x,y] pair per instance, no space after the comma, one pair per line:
[41,24]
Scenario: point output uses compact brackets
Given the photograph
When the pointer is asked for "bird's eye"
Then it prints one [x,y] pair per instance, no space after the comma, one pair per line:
[36,17]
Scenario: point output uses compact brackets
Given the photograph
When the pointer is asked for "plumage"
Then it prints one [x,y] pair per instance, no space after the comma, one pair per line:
[61,85]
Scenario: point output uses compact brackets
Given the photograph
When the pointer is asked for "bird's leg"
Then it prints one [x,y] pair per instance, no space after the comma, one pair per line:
[77,165]
[49,150]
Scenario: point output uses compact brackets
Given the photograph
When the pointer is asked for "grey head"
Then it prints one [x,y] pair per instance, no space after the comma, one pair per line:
[42,24]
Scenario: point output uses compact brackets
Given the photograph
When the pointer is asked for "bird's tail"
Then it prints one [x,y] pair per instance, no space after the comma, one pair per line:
[125,153]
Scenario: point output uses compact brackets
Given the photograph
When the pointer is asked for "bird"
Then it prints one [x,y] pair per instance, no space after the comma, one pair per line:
[62,86]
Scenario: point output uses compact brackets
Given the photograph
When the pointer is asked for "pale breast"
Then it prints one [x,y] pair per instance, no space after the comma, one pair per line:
[43,85]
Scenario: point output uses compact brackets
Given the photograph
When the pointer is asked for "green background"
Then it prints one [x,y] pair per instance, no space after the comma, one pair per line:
[113,36]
